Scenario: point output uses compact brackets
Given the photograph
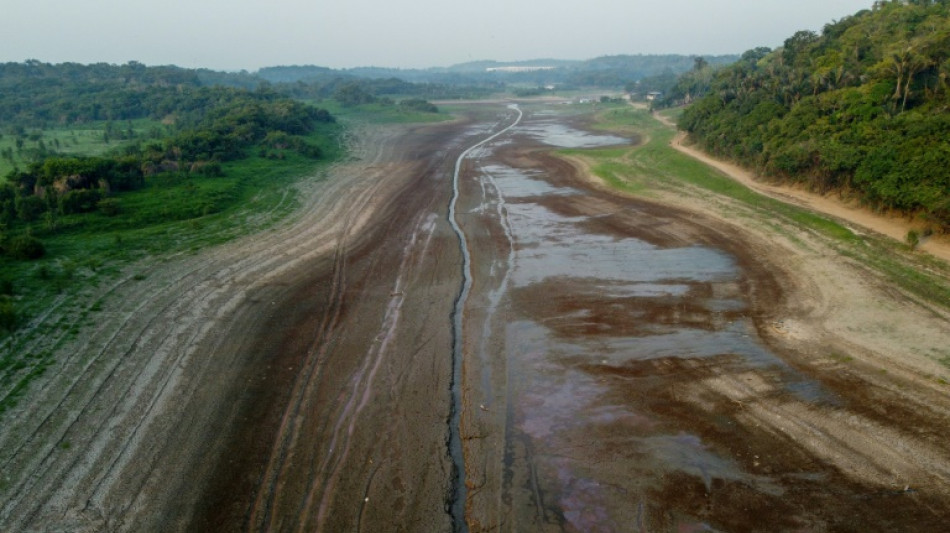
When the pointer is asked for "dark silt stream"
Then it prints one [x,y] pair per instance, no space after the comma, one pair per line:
[457,498]
[595,323]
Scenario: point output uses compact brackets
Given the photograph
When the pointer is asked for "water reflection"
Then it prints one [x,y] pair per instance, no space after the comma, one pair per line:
[554,133]
[595,300]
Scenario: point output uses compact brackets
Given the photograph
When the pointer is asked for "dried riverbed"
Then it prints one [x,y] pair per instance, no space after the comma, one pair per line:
[619,365]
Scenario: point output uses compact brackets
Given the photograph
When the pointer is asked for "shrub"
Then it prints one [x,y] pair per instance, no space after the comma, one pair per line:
[913,239]
[109,207]
[79,201]
[26,247]
[211,169]
[418,104]
[30,208]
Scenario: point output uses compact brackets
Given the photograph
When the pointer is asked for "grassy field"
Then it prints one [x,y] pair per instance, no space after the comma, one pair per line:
[380,114]
[86,139]
[654,167]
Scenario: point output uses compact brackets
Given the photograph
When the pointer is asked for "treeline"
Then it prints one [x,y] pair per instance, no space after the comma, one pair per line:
[234,122]
[320,83]
[40,95]
[678,89]
[380,88]
[862,108]
[355,94]
[638,73]
[475,79]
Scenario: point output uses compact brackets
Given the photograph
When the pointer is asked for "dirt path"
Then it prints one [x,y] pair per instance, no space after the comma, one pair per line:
[893,227]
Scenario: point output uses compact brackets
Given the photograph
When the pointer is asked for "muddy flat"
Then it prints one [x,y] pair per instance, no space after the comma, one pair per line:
[637,367]
[493,342]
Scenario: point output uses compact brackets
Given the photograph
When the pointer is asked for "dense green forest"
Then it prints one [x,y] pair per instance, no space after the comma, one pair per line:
[862,108]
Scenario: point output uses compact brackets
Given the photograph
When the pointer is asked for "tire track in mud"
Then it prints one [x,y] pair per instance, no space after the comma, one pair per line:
[340,419]
[302,487]
[459,490]
[354,216]
[361,389]
[131,316]
[54,478]
[289,433]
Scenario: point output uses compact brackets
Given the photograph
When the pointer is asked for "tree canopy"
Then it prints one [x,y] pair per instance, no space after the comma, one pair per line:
[861,108]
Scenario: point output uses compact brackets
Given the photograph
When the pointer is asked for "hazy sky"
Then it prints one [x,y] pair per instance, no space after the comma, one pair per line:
[249,34]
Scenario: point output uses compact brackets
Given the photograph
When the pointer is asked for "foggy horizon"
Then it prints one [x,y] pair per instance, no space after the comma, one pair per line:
[245,35]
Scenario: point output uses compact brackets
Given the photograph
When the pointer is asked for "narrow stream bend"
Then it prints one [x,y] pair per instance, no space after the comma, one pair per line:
[458,496]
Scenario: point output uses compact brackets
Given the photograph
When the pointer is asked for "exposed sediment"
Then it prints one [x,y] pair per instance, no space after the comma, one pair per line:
[642,367]
[627,365]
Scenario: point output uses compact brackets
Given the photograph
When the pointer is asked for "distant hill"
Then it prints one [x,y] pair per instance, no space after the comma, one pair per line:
[606,71]
[291,74]
[862,108]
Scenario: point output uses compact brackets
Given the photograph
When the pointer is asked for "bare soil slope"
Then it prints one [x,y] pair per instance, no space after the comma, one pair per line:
[227,390]
[894,227]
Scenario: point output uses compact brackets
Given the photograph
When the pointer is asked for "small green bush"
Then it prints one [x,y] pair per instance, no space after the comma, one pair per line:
[109,207]
[913,239]
[79,201]
[25,247]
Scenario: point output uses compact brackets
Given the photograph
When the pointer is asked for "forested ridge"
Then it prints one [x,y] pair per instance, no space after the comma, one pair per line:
[862,108]
[36,94]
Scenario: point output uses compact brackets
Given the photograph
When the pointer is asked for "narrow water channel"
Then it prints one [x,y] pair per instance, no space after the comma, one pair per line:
[458,496]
